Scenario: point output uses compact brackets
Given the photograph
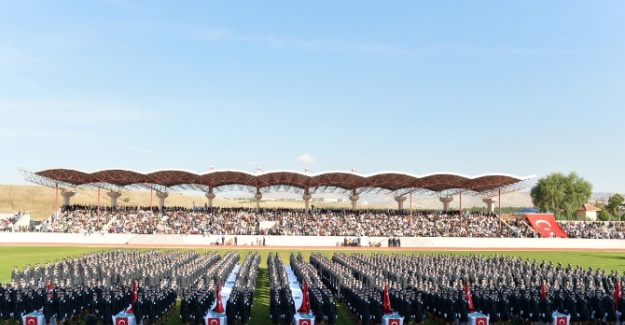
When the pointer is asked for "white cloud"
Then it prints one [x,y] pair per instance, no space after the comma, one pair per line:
[306,158]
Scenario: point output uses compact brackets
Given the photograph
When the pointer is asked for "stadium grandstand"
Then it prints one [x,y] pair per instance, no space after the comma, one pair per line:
[398,185]
[209,220]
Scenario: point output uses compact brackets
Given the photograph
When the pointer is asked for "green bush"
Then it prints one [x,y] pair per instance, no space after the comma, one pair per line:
[603,215]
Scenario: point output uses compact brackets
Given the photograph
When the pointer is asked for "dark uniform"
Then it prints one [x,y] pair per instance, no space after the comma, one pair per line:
[62,308]
[275,308]
[49,307]
[6,306]
[330,311]
[418,309]
[546,310]
[231,309]
[106,309]
[19,308]
[245,309]
[199,309]
[186,305]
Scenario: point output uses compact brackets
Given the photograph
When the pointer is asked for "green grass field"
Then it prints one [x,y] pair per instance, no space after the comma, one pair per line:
[20,255]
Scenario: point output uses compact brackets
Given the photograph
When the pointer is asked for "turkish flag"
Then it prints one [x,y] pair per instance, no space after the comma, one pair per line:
[304,322]
[305,307]
[543,290]
[31,320]
[562,320]
[467,292]
[213,321]
[387,301]
[220,306]
[121,321]
[131,308]
[481,321]
[617,294]
[394,321]
[545,224]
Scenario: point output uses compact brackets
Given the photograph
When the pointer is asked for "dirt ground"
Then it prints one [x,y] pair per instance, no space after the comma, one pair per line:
[322,248]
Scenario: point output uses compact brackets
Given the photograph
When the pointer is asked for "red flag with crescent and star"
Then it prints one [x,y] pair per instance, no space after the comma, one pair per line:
[32,320]
[545,224]
[394,321]
[304,322]
[387,301]
[467,292]
[213,321]
[481,320]
[131,307]
[220,306]
[305,307]
[121,321]
[617,293]
[562,320]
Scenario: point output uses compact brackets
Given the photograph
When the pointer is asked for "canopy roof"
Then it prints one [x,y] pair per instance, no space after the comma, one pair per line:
[395,183]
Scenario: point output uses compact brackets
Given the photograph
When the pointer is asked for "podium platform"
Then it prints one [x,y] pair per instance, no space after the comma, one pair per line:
[124,319]
[561,319]
[36,319]
[303,319]
[393,319]
[478,319]
[213,318]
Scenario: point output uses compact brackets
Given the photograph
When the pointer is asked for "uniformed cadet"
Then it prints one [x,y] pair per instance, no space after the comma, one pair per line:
[106,308]
[504,307]
[139,309]
[609,310]
[330,311]
[186,307]
[231,309]
[154,310]
[546,309]
[199,308]
[62,308]
[19,308]
[597,306]
[621,306]
[146,303]
[6,306]
[288,306]
[275,308]
[246,309]
[49,307]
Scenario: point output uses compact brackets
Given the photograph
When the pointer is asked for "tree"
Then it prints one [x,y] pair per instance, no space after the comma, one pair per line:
[603,216]
[614,203]
[560,193]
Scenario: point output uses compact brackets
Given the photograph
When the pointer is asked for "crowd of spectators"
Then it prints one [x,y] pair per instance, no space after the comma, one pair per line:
[594,229]
[317,222]
[521,227]
[8,224]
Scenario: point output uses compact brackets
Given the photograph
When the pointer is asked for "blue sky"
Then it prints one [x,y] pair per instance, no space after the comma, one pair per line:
[471,87]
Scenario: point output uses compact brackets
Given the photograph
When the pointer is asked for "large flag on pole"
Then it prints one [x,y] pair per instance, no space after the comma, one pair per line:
[387,301]
[305,307]
[220,306]
[617,293]
[467,292]
[131,307]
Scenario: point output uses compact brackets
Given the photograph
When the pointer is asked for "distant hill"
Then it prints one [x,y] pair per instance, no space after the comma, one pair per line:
[40,200]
